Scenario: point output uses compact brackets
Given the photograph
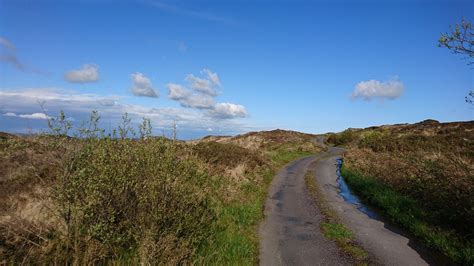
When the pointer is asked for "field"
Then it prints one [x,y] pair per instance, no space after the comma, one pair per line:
[113,199]
[97,198]
[420,176]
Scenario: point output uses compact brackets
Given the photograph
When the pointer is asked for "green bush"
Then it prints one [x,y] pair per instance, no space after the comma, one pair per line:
[343,138]
[227,155]
[133,200]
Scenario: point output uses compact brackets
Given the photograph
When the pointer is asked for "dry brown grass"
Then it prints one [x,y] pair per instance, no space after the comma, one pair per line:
[271,140]
[429,161]
[52,190]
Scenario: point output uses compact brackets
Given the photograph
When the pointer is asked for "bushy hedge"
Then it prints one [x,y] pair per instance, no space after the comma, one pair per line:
[133,200]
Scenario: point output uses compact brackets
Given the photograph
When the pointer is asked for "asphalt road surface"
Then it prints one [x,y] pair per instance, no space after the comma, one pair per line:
[290,233]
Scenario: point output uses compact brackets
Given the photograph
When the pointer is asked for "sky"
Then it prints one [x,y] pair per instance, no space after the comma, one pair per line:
[229,67]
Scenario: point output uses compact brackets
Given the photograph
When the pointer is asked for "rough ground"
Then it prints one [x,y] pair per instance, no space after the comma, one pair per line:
[290,234]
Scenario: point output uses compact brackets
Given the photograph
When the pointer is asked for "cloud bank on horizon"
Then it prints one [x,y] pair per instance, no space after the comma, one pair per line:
[25,103]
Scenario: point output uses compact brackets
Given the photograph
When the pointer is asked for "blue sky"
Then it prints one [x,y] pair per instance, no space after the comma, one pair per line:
[227,67]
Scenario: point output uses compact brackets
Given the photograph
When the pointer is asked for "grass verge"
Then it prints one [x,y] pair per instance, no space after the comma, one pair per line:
[333,228]
[408,213]
[236,243]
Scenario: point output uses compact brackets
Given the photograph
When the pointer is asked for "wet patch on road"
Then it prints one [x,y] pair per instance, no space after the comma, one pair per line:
[348,196]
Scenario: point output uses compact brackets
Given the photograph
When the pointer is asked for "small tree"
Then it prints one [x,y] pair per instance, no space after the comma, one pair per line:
[175,131]
[145,128]
[59,125]
[470,97]
[124,128]
[90,129]
[460,40]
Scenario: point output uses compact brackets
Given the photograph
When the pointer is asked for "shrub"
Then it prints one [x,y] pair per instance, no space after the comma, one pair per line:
[343,138]
[132,200]
[228,155]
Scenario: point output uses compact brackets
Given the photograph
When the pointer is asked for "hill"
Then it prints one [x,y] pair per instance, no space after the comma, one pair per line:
[149,200]
[421,176]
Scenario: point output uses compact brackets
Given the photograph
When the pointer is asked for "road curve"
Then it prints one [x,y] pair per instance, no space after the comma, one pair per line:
[384,243]
[290,233]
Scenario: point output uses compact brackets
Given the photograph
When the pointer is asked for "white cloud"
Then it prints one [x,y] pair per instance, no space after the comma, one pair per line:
[206,85]
[176,91]
[7,44]
[201,85]
[198,101]
[88,73]
[142,86]
[371,89]
[228,110]
[202,96]
[188,99]
[42,116]
[212,76]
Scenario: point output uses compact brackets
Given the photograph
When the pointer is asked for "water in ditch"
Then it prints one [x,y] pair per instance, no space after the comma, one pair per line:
[348,196]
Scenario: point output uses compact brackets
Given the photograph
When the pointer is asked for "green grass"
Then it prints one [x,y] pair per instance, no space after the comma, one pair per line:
[408,213]
[333,228]
[236,243]
[336,231]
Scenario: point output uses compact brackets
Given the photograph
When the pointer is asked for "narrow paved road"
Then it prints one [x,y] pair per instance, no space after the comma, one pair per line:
[380,240]
[290,234]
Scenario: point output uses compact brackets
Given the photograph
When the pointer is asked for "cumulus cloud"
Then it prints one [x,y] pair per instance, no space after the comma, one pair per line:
[88,73]
[370,89]
[177,92]
[202,96]
[142,86]
[188,99]
[198,101]
[201,85]
[28,116]
[228,110]
[206,84]
[212,76]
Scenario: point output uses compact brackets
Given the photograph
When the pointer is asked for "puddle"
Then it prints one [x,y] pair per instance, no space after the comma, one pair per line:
[347,195]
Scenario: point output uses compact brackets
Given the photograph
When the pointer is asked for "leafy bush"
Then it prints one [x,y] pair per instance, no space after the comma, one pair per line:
[343,138]
[228,155]
[133,200]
